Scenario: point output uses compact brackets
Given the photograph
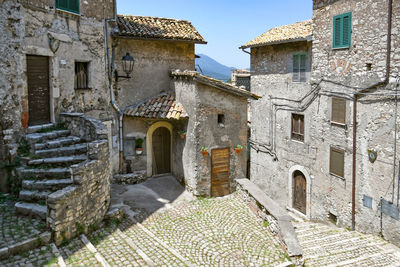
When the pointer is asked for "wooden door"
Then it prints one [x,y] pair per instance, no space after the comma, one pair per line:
[220,163]
[38,90]
[300,192]
[161,151]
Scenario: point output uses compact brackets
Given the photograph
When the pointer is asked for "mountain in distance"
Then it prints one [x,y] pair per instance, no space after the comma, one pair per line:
[212,68]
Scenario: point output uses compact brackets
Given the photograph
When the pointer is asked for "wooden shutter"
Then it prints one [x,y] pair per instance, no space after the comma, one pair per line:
[298,127]
[68,5]
[303,66]
[338,110]
[296,68]
[336,164]
[346,32]
[337,22]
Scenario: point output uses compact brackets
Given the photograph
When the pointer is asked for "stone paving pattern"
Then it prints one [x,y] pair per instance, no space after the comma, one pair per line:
[14,229]
[325,245]
[211,232]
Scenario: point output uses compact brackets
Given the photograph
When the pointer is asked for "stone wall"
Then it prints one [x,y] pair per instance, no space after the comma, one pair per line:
[73,209]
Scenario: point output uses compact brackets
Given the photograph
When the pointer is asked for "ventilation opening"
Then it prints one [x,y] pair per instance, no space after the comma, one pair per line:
[221,120]
[369,66]
[332,218]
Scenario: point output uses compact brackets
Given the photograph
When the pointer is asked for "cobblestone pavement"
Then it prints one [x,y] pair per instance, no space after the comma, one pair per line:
[13,228]
[325,245]
[207,232]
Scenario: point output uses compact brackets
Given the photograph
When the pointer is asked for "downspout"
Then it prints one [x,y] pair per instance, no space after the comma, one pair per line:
[111,79]
[384,82]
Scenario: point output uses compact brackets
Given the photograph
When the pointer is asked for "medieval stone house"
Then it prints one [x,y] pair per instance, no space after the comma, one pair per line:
[306,152]
[170,121]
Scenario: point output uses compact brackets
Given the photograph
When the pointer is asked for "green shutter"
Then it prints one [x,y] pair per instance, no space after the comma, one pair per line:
[303,68]
[296,68]
[342,31]
[68,5]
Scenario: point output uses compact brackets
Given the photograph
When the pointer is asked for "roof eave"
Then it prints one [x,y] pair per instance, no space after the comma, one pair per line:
[303,39]
[127,36]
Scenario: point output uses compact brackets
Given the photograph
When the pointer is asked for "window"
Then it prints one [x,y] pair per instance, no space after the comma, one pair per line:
[336,162]
[68,5]
[299,67]
[81,75]
[342,31]
[298,127]
[338,110]
[221,120]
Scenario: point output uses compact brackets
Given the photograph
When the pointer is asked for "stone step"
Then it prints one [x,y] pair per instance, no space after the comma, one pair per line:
[33,196]
[36,128]
[75,149]
[34,138]
[52,185]
[59,142]
[31,209]
[42,174]
[59,161]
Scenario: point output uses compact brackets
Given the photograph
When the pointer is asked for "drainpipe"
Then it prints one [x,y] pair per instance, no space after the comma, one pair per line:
[111,78]
[384,82]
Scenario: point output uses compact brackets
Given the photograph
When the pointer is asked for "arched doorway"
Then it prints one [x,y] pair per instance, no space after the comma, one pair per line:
[161,151]
[300,192]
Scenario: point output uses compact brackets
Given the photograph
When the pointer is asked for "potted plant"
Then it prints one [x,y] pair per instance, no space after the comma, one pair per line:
[138,144]
[238,149]
[182,134]
[204,151]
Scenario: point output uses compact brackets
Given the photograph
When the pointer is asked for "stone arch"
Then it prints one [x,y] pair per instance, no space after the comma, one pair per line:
[308,190]
[149,144]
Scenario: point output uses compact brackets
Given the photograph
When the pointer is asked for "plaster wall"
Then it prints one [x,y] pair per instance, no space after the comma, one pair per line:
[153,62]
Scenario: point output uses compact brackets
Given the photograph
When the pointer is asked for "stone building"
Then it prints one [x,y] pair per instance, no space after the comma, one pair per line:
[158,110]
[306,152]
[54,93]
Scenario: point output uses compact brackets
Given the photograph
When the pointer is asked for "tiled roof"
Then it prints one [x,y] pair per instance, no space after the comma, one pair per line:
[299,31]
[158,28]
[162,106]
[226,87]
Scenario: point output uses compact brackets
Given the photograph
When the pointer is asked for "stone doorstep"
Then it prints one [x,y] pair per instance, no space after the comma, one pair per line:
[39,137]
[46,184]
[31,209]
[59,160]
[34,129]
[29,244]
[36,195]
[57,143]
[63,151]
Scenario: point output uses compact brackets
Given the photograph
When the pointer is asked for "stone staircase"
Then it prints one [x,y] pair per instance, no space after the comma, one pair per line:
[48,168]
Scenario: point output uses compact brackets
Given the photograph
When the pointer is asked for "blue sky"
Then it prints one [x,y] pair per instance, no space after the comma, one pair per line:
[225,24]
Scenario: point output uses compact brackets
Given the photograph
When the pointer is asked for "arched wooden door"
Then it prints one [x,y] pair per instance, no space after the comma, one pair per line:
[161,151]
[299,192]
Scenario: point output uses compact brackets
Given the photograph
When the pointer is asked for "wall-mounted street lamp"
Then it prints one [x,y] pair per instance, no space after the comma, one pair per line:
[127,66]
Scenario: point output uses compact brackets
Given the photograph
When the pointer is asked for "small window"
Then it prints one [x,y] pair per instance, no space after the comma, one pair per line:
[298,127]
[338,110]
[299,67]
[367,201]
[342,31]
[221,120]
[336,162]
[68,5]
[81,75]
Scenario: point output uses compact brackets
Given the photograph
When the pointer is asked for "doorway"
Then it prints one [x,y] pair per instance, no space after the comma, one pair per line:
[300,192]
[161,151]
[220,164]
[38,90]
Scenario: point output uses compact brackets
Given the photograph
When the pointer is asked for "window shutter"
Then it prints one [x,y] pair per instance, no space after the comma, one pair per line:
[337,31]
[68,5]
[303,67]
[296,70]
[346,30]
[301,121]
[337,162]
[338,110]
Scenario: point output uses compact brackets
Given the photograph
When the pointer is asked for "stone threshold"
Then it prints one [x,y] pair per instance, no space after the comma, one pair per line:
[26,245]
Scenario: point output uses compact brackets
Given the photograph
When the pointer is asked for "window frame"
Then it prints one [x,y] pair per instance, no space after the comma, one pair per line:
[87,64]
[293,134]
[333,172]
[299,72]
[333,121]
[77,2]
[341,31]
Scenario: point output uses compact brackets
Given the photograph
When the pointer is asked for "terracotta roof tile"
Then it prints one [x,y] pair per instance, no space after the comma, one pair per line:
[288,33]
[163,106]
[158,28]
